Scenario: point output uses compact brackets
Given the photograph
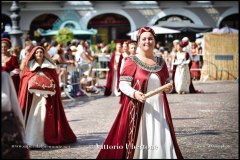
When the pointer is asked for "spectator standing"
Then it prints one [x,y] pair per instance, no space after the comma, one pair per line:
[195,72]
[72,74]
[200,53]
[173,57]
[53,48]
[168,59]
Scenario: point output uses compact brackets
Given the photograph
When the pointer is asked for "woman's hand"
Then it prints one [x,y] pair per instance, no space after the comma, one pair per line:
[75,64]
[139,96]
[168,89]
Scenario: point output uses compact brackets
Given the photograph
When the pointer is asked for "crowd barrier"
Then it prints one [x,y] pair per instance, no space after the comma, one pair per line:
[84,67]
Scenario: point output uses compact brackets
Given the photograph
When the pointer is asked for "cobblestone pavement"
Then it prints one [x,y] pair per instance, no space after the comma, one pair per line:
[206,124]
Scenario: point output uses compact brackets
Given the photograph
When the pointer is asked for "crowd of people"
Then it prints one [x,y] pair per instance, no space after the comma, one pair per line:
[40,72]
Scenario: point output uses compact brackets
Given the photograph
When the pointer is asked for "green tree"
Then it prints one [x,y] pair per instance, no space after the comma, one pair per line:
[64,35]
[112,47]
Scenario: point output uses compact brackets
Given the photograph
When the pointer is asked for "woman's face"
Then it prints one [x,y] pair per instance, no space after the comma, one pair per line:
[4,48]
[132,49]
[179,48]
[118,47]
[39,55]
[146,41]
[175,44]
[125,47]
[86,44]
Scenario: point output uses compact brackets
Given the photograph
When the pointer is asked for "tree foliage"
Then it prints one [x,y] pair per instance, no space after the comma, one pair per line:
[64,35]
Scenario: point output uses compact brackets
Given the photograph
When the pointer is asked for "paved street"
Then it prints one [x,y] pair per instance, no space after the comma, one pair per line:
[206,124]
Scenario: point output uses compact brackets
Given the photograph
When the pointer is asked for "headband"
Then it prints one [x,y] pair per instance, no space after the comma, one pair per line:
[6,40]
[183,44]
[145,29]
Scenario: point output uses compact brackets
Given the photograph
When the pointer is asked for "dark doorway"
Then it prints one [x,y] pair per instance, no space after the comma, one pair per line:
[44,21]
[230,21]
[110,27]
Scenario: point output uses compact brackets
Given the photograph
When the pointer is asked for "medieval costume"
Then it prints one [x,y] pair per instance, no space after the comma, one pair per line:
[12,65]
[45,119]
[142,130]
[182,76]
[113,75]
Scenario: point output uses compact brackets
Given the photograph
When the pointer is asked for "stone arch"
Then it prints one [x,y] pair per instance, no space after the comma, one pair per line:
[85,20]
[44,21]
[230,11]
[110,26]
[176,11]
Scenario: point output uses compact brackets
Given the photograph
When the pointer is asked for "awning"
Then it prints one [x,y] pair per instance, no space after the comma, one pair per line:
[157,30]
[75,32]
[186,27]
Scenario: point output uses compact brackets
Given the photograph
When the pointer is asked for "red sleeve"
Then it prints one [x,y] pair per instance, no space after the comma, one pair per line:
[12,64]
[15,62]
[127,74]
[129,68]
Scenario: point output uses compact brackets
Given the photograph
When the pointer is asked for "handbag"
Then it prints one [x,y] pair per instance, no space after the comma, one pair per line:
[41,84]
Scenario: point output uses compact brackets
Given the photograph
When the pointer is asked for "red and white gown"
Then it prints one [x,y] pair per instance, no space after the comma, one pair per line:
[12,67]
[182,77]
[45,119]
[181,74]
[142,130]
[113,75]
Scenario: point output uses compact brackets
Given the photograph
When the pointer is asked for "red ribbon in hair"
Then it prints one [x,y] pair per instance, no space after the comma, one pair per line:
[145,29]
[6,40]
[183,44]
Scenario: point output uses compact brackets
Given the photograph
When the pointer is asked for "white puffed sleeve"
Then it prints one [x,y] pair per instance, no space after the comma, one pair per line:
[127,89]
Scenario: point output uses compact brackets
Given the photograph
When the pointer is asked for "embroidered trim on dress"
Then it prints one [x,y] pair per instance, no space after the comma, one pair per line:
[126,78]
[150,68]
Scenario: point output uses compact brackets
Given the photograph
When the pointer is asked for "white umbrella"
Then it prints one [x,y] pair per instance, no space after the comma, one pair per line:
[157,30]
[225,30]
[186,27]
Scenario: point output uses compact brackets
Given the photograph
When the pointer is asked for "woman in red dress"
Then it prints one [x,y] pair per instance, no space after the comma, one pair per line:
[45,119]
[143,127]
[10,63]
[114,72]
